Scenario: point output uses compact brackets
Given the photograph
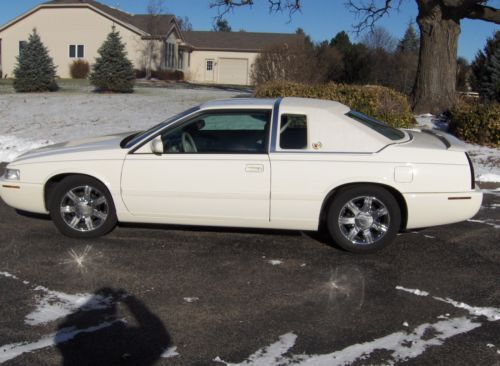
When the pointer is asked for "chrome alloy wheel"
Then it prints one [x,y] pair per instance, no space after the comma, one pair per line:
[364,220]
[84,208]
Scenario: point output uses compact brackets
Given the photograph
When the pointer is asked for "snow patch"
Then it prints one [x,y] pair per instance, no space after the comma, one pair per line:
[402,346]
[13,350]
[191,299]
[413,291]
[170,352]
[492,314]
[53,305]
[9,275]
[270,355]
[275,262]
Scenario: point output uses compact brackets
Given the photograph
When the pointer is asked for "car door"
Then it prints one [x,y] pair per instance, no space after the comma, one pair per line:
[214,169]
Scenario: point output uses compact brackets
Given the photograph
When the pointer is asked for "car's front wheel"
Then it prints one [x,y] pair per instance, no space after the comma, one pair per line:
[82,207]
[363,218]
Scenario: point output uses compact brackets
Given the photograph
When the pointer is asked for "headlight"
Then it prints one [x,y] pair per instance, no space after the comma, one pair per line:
[12,174]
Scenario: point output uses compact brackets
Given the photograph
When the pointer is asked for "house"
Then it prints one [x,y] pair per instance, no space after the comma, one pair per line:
[75,29]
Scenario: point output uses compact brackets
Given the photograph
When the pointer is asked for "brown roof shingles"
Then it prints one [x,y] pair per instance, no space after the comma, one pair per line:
[242,41]
[201,40]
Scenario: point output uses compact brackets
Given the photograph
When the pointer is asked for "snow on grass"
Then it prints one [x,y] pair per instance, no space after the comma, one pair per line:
[31,121]
[486,159]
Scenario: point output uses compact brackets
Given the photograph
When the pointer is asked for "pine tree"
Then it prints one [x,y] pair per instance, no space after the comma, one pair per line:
[410,42]
[35,70]
[113,71]
[482,60]
[490,88]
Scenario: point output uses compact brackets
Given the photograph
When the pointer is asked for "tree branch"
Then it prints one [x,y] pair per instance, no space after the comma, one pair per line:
[225,6]
[483,12]
[370,13]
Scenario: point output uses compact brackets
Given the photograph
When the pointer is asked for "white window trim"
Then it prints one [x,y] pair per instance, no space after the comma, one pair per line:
[76,51]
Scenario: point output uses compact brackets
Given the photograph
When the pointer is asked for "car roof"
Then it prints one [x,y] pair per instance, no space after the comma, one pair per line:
[268,103]
[240,103]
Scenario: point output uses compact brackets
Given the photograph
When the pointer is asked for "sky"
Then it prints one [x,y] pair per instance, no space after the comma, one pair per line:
[321,19]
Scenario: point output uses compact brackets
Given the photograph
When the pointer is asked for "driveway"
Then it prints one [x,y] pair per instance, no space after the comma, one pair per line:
[198,296]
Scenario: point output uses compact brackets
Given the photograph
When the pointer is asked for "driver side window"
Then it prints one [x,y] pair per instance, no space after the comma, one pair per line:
[227,132]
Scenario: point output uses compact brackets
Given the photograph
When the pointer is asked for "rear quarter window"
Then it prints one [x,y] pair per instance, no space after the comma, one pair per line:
[381,127]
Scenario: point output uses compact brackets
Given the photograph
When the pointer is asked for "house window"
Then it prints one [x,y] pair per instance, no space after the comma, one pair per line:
[180,60]
[293,132]
[76,51]
[22,45]
[210,65]
[170,55]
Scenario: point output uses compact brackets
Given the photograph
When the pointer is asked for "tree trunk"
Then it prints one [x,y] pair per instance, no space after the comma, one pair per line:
[434,89]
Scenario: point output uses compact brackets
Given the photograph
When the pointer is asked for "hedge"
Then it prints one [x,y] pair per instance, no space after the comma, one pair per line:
[382,103]
[476,122]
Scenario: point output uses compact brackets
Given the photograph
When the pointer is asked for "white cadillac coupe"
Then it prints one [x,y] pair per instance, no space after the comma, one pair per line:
[289,163]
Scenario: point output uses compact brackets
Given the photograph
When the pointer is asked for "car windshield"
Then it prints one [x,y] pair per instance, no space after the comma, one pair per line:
[382,128]
[139,136]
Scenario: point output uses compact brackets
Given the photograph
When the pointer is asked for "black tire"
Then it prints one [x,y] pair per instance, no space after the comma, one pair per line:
[342,223]
[98,225]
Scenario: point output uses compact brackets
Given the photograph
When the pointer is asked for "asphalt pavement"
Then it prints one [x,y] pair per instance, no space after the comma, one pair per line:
[167,295]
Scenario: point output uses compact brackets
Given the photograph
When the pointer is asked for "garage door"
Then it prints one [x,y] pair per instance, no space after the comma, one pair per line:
[233,71]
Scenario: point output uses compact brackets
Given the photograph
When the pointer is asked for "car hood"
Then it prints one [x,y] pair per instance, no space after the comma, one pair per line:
[103,147]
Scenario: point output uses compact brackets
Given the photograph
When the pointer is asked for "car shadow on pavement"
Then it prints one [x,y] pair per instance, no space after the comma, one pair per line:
[112,328]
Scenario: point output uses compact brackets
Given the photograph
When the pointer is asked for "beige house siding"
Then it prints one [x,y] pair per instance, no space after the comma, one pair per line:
[61,27]
[198,66]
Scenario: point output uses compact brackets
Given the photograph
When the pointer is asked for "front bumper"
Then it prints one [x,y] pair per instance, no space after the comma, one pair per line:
[23,196]
[432,209]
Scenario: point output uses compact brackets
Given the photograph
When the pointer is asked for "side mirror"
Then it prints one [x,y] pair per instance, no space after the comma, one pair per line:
[157,146]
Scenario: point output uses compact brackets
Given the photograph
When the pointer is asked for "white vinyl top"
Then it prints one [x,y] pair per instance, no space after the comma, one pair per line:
[236,103]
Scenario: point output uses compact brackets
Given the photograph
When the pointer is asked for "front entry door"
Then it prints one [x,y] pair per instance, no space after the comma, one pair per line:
[209,70]
[214,170]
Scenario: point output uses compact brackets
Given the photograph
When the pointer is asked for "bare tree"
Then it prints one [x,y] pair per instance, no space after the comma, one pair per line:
[379,39]
[287,62]
[152,47]
[184,24]
[439,23]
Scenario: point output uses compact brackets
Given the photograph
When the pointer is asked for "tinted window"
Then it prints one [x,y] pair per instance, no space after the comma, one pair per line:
[293,132]
[243,132]
[80,51]
[380,127]
[72,51]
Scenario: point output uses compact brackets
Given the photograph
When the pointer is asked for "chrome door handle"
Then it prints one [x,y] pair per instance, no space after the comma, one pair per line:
[254,168]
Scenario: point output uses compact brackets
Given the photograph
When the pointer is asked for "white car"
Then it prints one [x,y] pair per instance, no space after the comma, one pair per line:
[289,163]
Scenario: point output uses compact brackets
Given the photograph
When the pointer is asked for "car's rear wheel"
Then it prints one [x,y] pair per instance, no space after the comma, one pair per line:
[82,207]
[363,218]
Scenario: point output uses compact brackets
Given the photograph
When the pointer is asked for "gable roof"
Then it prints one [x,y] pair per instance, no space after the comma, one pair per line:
[138,23]
[238,41]
[161,26]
